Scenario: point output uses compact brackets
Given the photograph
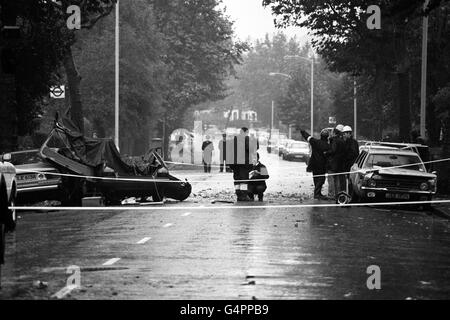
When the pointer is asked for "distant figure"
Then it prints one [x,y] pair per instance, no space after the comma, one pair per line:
[223,153]
[259,173]
[180,146]
[318,162]
[207,149]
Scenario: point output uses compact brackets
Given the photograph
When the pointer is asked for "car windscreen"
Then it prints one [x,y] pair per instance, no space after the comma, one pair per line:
[410,162]
[21,158]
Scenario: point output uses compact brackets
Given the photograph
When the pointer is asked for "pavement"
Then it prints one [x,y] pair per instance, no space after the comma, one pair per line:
[200,250]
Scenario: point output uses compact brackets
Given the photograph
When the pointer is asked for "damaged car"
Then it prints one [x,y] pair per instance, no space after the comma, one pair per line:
[93,167]
[387,174]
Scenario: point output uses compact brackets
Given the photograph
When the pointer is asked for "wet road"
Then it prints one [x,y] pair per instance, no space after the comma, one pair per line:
[230,253]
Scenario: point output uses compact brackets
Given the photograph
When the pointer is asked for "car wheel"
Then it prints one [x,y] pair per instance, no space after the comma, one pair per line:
[12,212]
[6,217]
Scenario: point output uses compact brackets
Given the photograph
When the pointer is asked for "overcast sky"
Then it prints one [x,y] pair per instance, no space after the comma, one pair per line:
[254,21]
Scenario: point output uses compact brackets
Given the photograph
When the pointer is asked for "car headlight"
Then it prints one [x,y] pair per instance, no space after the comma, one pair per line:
[432,184]
[424,186]
[372,183]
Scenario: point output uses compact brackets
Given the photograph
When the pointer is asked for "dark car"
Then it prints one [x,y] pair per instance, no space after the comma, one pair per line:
[384,174]
[37,179]
[297,150]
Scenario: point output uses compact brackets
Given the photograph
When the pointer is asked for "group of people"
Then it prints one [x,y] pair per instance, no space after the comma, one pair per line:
[239,155]
[332,154]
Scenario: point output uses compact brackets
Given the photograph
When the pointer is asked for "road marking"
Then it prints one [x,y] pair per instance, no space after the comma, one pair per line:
[186,214]
[64,291]
[143,240]
[111,262]
[167,225]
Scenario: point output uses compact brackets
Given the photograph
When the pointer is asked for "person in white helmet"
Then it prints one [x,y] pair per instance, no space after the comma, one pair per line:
[351,148]
[351,151]
[335,157]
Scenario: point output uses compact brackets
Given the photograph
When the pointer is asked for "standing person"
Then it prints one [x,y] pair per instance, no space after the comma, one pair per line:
[207,148]
[223,152]
[351,150]
[241,165]
[260,174]
[318,162]
[336,156]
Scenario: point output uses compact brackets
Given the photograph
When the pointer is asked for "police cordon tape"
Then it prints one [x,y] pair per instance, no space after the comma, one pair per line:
[221,181]
[251,207]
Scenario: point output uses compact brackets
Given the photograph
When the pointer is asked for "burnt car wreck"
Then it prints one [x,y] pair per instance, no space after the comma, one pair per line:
[94,167]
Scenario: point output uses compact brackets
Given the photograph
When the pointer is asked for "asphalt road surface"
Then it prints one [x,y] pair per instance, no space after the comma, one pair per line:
[189,252]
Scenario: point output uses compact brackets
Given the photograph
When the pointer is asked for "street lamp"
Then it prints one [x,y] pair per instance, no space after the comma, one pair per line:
[312,87]
[423,90]
[116,109]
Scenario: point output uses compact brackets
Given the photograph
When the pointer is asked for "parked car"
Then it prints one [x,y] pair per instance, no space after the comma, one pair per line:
[8,192]
[283,145]
[37,179]
[385,173]
[297,150]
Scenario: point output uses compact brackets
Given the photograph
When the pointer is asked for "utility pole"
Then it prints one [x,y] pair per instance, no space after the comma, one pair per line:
[423,91]
[355,110]
[117,52]
[312,96]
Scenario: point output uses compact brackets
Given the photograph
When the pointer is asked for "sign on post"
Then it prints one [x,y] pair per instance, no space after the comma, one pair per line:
[58,92]
[332,120]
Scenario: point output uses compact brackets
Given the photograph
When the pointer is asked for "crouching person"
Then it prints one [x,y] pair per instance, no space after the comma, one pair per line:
[260,174]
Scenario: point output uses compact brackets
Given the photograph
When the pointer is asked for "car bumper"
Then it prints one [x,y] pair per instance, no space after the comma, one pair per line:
[393,195]
[39,193]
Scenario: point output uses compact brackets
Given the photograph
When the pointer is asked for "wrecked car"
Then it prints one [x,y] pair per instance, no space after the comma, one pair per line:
[93,167]
[388,174]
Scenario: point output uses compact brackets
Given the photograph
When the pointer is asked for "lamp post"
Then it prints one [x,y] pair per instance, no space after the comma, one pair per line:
[117,52]
[423,91]
[355,109]
[311,60]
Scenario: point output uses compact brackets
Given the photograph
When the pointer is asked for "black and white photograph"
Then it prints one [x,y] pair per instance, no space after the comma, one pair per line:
[238,151]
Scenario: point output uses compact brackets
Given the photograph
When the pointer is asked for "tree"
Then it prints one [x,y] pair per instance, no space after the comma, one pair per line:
[347,45]
[201,54]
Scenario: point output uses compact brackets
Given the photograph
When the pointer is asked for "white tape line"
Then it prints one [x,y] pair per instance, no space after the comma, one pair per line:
[64,291]
[143,241]
[168,225]
[221,181]
[249,207]
[110,262]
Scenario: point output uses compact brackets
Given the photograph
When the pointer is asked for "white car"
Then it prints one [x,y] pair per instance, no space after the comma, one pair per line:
[8,192]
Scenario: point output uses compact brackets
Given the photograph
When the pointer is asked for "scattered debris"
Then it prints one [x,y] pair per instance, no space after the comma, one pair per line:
[40,285]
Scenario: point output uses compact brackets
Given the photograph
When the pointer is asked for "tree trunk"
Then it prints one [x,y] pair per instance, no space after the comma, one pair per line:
[8,115]
[404,116]
[74,82]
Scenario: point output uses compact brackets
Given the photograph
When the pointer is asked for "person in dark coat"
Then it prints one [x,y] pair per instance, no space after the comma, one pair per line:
[207,148]
[351,148]
[336,156]
[241,165]
[223,153]
[258,173]
[318,162]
